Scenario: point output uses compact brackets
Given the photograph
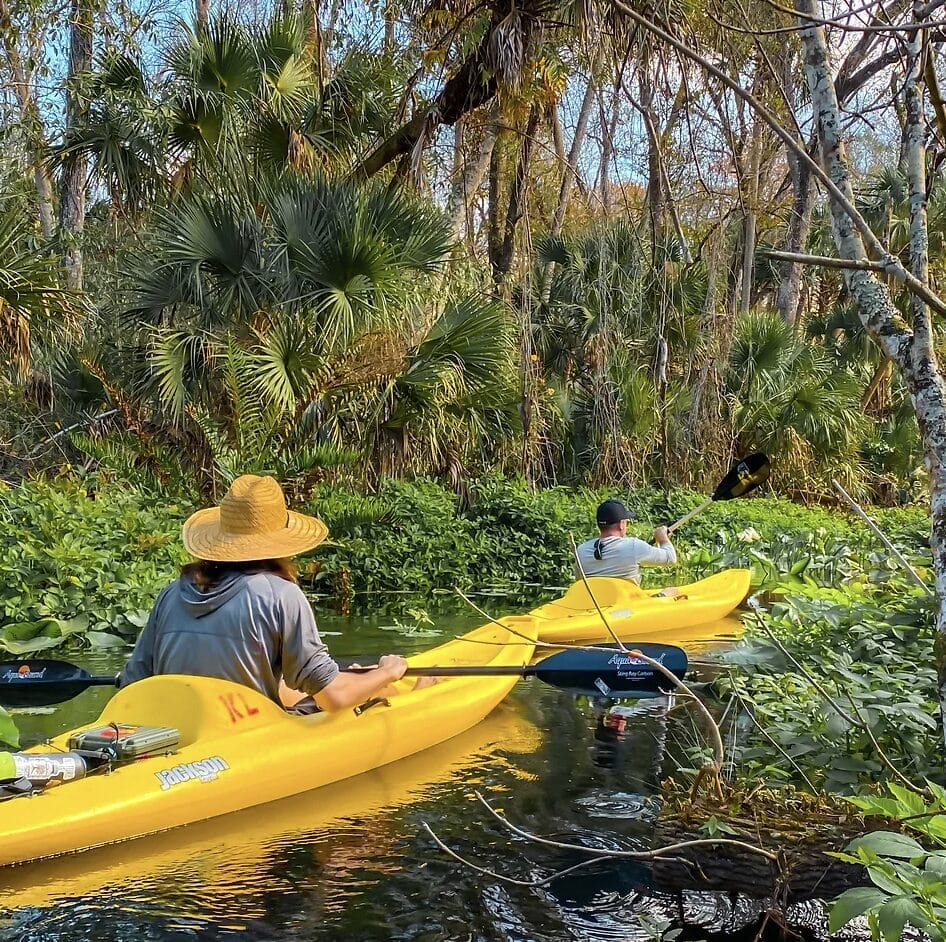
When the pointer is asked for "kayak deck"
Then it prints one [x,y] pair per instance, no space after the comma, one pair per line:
[212,857]
[638,615]
[239,749]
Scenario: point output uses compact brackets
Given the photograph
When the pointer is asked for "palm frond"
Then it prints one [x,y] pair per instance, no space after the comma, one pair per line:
[181,364]
[35,310]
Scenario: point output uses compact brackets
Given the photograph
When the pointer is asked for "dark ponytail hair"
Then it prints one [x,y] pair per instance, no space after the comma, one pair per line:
[206,573]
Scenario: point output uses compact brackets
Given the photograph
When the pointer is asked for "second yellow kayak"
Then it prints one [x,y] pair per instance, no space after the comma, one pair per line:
[638,615]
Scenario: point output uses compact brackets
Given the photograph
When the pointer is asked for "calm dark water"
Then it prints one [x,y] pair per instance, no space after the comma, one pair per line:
[353,861]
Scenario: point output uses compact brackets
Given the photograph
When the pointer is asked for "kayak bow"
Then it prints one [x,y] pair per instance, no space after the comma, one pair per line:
[636,615]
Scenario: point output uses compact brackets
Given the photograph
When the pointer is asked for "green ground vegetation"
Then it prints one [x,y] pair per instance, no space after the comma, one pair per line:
[84,557]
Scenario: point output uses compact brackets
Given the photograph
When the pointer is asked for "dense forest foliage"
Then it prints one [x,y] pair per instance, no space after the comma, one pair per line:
[339,242]
[425,262]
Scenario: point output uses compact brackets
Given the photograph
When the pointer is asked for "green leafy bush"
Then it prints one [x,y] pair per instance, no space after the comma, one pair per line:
[908,880]
[83,560]
[859,679]
[418,537]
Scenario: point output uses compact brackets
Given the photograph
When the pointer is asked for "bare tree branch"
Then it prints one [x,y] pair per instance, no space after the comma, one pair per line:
[892,265]
[824,261]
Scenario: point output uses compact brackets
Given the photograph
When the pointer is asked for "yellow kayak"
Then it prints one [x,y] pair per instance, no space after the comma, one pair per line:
[221,860]
[238,749]
[638,615]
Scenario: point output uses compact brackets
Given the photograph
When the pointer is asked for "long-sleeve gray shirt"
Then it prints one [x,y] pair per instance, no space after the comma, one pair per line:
[623,556]
[251,628]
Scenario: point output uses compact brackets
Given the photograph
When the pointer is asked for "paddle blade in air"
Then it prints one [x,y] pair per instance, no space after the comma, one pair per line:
[41,682]
[614,673]
[744,476]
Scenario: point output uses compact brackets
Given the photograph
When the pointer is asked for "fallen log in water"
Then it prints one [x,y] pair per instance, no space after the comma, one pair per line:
[799,827]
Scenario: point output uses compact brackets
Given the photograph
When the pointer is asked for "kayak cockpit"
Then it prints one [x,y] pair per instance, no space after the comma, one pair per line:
[608,592]
[199,707]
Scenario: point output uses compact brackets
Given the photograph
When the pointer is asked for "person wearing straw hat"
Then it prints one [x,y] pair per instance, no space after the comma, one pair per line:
[238,613]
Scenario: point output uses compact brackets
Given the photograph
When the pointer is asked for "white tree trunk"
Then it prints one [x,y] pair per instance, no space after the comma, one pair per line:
[912,350]
[31,120]
[467,184]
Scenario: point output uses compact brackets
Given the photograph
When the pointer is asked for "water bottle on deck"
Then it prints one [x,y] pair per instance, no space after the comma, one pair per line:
[42,768]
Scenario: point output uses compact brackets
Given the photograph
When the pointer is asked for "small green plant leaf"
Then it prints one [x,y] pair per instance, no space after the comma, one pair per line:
[40,643]
[853,903]
[893,915]
[102,639]
[888,844]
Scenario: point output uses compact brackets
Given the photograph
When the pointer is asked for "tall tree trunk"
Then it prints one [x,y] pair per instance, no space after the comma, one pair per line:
[654,195]
[31,121]
[467,182]
[788,294]
[496,206]
[517,197]
[659,191]
[912,350]
[314,39]
[201,14]
[752,201]
[75,170]
[930,394]
[851,77]
[558,140]
[790,273]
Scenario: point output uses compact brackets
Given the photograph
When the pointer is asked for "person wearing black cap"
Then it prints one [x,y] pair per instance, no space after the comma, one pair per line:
[616,554]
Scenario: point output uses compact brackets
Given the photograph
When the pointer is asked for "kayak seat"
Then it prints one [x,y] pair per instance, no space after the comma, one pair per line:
[197,706]
[607,592]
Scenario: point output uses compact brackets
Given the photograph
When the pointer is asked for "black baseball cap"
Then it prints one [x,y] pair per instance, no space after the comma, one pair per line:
[611,512]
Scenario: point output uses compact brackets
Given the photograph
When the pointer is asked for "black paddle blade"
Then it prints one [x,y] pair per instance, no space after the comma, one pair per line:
[616,673]
[744,476]
[41,682]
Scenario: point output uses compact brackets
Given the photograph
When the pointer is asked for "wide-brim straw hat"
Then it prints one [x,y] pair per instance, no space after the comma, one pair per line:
[252,522]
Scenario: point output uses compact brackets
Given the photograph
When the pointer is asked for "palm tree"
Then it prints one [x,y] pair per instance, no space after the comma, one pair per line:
[454,403]
[118,136]
[791,398]
[282,330]
[340,257]
[602,333]
[252,101]
[234,103]
[36,312]
[271,405]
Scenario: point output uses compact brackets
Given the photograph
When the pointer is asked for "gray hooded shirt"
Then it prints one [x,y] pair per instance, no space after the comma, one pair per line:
[251,628]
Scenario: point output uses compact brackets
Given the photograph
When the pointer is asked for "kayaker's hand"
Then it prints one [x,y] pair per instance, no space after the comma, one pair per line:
[394,664]
[661,536]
